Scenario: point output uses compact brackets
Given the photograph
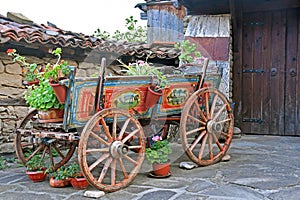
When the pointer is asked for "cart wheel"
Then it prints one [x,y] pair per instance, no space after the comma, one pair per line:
[206,126]
[56,153]
[111,149]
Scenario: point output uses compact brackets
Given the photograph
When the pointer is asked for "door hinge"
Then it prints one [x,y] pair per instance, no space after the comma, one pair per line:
[260,70]
[253,120]
[254,23]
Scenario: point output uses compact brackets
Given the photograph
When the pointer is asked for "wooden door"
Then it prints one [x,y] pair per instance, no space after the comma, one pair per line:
[270,74]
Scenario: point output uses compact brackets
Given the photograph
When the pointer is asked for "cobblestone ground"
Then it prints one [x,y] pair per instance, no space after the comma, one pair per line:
[261,167]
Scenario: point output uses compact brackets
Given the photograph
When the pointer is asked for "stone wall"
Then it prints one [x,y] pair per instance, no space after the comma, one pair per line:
[12,104]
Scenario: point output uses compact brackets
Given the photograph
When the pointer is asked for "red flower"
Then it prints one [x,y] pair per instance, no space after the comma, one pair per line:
[10,51]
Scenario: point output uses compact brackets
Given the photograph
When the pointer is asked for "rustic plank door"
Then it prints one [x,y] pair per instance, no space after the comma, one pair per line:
[270,73]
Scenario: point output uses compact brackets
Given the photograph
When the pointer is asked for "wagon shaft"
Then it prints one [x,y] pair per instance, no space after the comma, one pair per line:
[49,134]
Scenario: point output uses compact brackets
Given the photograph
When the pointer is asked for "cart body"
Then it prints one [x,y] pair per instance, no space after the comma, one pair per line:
[108,119]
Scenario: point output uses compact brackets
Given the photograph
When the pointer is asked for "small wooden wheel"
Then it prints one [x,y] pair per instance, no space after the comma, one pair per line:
[111,149]
[55,152]
[206,126]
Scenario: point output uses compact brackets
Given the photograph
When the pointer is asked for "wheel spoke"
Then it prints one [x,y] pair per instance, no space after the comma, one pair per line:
[213,105]
[114,133]
[195,130]
[23,145]
[197,120]
[106,129]
[35,152]
[210,146]
[202,147]
[135,147]
[51,156]
[123,168]
[130,159]
[123,129]
[103,150]
[99,139]
[224,121]
[97,162]
[219,112]
[217,141]
[59,152]
[200,112]
[104,170]
[44,151]
[197,140]
[113,172]
[207,105]
[130,135]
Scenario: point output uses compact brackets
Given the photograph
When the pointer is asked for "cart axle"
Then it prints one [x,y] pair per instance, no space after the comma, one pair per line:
[48,134]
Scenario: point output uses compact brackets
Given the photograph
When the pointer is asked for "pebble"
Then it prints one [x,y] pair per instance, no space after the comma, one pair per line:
[94,194]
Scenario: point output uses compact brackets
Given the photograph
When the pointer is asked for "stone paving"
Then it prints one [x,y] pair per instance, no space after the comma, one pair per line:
[261,167]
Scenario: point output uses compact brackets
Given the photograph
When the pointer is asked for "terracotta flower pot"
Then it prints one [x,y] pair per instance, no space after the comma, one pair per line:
[36,176]
[59,183]
[60,91]
[79,183]
[161,169]
[35,82]
[152,97]
[51,115]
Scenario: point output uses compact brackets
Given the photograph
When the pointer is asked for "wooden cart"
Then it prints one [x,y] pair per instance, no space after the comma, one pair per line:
[106,118]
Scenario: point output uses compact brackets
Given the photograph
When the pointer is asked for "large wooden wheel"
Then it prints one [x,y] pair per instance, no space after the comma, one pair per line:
[206,126]
[111,149]
[55,152]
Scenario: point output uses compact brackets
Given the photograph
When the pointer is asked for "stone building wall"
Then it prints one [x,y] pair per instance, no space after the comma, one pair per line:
[12,104]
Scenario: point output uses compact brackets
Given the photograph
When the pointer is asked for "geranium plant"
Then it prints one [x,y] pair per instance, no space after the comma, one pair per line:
[60,174]
[74,170]
[159,150]
[188,51]
[42,96]
[33,71]
[36,163]
[29,71]
[143,68]
[59,70]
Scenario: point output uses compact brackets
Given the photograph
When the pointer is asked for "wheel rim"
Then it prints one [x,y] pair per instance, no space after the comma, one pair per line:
[56,153]
[111,149]
[206,126]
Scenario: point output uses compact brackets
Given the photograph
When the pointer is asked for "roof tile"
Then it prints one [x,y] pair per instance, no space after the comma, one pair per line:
[43,34]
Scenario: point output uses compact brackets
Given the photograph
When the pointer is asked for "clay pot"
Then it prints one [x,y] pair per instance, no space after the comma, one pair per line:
[60,91]
[79,183]
[59,183]
[161,169]
[35,82]
[36,176]
[51,115]
[152,97]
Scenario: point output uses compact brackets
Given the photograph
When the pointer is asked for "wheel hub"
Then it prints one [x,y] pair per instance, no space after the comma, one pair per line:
[118,149]
[213,127]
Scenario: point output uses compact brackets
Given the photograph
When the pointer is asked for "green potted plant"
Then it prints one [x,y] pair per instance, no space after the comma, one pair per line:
[43,98]
[30,71]
[35,168]
[60,70]
[142,68]
[188,54]
[59,177]
[77,180]
[157,155]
